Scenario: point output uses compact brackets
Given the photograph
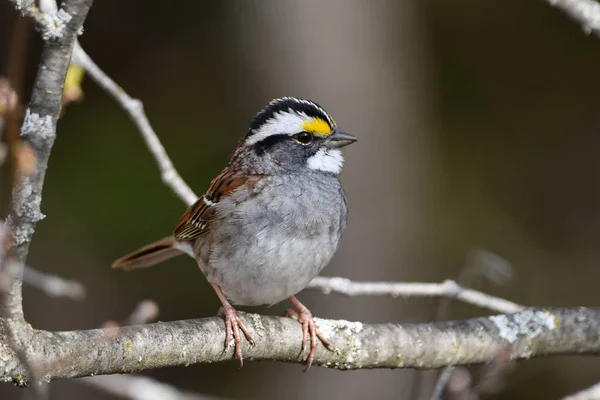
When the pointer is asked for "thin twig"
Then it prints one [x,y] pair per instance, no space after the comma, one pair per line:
[47,17]
[441,383]
[447,288]
[53,285]
[135,109]
[480,263]
[460,383]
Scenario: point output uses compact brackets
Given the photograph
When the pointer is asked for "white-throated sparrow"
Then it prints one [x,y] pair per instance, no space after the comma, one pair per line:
[270,221]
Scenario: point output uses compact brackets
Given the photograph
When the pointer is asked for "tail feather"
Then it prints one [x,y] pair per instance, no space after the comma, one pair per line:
[149,255]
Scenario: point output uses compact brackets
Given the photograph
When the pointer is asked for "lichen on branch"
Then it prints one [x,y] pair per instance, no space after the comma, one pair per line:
[528,333]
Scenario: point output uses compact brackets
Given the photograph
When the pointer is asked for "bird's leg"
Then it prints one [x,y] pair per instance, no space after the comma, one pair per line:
[233,325]
[309,330]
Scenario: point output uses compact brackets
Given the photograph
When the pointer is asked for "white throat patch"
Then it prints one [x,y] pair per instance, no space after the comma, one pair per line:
[328,160]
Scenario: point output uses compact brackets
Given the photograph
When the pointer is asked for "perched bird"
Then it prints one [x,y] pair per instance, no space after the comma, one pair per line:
[270,221]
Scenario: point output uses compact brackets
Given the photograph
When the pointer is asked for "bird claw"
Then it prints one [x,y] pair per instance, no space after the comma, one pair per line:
[233,325]
[310,333]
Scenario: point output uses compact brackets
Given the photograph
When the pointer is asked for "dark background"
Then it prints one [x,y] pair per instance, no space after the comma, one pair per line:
[478,124]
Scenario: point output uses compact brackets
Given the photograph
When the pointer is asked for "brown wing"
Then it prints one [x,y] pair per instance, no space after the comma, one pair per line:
[196,219]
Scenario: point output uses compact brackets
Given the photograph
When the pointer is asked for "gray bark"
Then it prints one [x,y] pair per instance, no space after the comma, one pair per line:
[39,131]
[529,333]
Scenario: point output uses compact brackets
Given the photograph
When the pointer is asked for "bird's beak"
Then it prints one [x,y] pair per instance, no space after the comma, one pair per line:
[339,139]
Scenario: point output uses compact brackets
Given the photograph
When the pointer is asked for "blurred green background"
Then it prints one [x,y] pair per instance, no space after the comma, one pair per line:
[479,128]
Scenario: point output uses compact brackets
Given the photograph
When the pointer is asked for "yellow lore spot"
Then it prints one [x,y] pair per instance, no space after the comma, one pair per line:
[317,126]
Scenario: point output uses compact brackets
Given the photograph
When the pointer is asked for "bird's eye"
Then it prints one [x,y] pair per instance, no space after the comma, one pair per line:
[304,137]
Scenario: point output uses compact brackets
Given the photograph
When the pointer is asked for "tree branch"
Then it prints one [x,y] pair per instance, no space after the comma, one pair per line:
[53,355]
[59,30]
[529,333]
[39,130]
[448,288]
[133,386]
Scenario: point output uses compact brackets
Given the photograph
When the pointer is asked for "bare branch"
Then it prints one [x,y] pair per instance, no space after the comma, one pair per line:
[59,31]
[17,332]
[441,383]
[39,129]
[529,333]
[135,109]
[53,285]
[414,289]
[136,387]
[586,12]
[480,263]
[52,355]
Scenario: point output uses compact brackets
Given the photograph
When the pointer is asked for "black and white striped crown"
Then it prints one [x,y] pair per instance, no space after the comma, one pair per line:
[289,105]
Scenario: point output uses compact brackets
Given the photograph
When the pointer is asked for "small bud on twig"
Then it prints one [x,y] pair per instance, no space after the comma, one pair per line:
[72,92]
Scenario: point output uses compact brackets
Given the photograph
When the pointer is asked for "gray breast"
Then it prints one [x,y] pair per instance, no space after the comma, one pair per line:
[269,241]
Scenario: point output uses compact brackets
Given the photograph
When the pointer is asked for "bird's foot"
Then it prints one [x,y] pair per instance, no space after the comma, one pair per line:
[310,333]
[233,325]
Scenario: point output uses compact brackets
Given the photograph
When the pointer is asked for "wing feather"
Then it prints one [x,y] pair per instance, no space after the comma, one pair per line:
[195,221]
